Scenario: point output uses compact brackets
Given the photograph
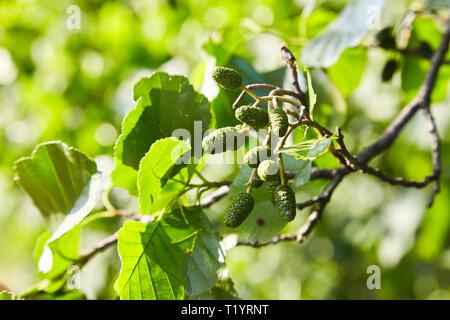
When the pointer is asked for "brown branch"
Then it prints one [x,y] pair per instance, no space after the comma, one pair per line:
[354,164]
[317,173]
[275,240]
[308,203]
[325,198]
[422,99]
[289,59]
[214,197]
[283,92]
[222,192]
[274,89]
[436,156]
[324,131]
[99,247]
[251,87]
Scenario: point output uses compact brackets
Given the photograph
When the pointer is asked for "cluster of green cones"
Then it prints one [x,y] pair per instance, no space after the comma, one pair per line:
[258,158]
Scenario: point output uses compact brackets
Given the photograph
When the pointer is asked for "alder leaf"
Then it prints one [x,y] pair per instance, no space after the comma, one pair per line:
[7,295]
[155,192]
[165,103]
[308,150]
[223,290]
[63,184]
[312,97]
[206,259]
[162,258]
[436,4]
[54,176]
[346,31]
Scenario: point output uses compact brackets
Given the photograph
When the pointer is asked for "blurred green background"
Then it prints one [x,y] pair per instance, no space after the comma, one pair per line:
[75,85]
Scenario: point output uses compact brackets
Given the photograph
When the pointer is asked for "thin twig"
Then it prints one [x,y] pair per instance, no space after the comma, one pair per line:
[436,156]
[278,239]
[214,197]
[99,247]
[252,87]
[289,59]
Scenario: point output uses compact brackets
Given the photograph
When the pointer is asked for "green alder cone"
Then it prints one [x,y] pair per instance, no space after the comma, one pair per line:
[227,78]
[257,182]
[285,202]
[223,139]
[254,157]
[386,39]
[388,70]
[268,171]
[253,116]
[241,205]
[272,187]
[278,121]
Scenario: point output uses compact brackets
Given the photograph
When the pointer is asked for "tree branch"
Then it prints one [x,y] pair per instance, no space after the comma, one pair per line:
[289,59]
[214,197]
[99,247]
[422,99]
[278,239]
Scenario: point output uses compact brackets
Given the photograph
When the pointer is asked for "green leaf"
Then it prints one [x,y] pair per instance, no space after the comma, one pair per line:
[223,113]
[414,69]
[301,169]
[317,21]
[312,97]
[331,107]
[65,295]
[164,103]
[154,257]
[433,235]
[221,54]
[413,74]
[308,150]
[158,256]
[206,259]
[223,290]
[425,29]
[54,176]
[346,31]
[436,4]
[52,260]
[53,286]
[346,74]
[62,247]
[319,147]
[58,295]
[6,295]
[197,75]
[125,177]
[154,193]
